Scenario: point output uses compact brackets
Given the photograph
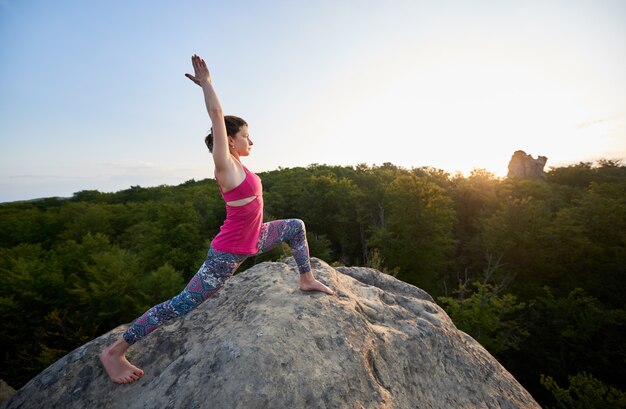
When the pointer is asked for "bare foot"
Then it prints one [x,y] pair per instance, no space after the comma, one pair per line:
[315,285]
[117,366]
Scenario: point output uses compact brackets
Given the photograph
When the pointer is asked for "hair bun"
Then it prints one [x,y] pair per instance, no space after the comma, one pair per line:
[208,140]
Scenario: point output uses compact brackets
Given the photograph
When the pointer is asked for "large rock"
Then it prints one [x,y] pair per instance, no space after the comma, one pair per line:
[523,166]
[262,343]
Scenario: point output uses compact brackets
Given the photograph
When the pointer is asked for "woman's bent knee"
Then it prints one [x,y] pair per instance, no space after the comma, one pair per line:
[298,224]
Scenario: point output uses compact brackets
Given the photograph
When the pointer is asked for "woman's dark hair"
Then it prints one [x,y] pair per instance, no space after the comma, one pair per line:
[233,125]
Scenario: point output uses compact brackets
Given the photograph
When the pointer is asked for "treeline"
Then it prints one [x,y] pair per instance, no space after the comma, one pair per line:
[533,270]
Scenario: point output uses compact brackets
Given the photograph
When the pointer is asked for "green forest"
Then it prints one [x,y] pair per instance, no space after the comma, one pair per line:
[533,270]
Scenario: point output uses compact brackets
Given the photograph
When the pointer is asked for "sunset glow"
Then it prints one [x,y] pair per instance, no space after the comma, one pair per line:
[451,86]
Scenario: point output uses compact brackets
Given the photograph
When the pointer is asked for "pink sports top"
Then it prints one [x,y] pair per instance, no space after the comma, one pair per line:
[240,232]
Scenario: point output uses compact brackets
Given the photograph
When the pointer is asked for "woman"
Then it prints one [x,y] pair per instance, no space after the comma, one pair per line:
[243,233]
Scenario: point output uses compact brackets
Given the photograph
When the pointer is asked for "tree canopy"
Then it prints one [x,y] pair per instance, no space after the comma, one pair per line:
[534,270]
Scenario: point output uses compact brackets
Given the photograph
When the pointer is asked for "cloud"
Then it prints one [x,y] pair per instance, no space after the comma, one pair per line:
[590,123]
[595,122]
[42,177]
[105,177]
[149,174]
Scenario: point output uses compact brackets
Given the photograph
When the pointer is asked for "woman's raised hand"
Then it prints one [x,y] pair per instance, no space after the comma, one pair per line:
[201,72]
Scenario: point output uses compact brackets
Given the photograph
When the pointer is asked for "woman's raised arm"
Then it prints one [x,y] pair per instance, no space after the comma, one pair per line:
[202,77]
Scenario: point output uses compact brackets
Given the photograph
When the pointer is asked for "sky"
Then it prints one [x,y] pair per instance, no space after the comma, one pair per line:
[93,93]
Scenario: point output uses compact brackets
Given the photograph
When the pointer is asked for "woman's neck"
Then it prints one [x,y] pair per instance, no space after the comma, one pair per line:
[236,157]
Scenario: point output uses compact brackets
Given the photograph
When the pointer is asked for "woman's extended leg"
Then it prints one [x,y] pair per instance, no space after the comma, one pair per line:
[217,268]
[293,231]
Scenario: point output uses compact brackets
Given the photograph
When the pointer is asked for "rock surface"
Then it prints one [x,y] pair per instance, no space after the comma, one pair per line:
[523,166]
[262,343]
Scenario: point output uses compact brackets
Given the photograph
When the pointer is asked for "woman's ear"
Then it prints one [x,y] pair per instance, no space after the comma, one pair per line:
[231,143]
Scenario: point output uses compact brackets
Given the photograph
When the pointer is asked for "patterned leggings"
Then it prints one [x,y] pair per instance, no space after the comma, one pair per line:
[216,269]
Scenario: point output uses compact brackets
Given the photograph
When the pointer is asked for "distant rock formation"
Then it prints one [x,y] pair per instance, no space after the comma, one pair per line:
[523,166]
[5,391]
[262,343]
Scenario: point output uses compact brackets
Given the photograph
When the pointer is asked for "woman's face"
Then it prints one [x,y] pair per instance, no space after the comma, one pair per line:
[242,142]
